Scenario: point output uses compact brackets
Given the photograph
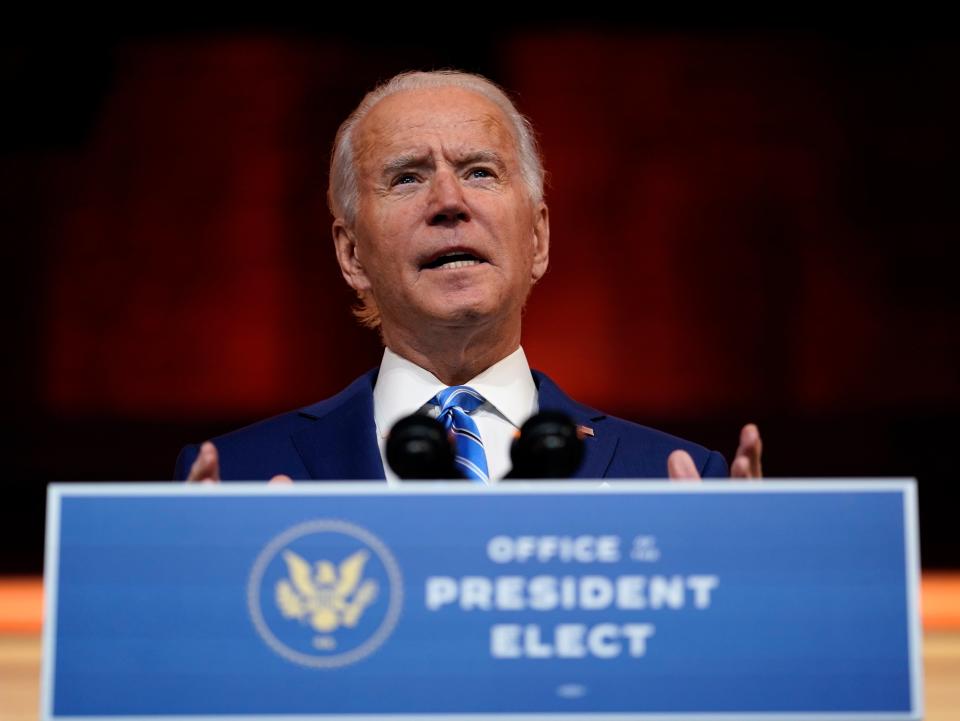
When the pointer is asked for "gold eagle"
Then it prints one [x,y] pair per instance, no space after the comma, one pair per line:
[325,596]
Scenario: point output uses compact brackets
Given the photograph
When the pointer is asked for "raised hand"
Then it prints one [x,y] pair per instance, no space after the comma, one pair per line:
[746,463]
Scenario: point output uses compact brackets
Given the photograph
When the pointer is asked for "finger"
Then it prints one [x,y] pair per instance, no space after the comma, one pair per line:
[197,470]
[751,448]
[206,467]
[680,467]
[281,479]
[740,468]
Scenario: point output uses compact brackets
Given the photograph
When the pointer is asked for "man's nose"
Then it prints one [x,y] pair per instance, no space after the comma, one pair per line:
[448,206]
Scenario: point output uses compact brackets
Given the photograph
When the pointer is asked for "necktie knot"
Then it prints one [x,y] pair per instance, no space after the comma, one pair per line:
[456,404]
[462,397]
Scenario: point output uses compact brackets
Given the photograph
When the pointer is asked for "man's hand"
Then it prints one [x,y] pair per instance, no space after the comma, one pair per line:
[746,464]
[206,469]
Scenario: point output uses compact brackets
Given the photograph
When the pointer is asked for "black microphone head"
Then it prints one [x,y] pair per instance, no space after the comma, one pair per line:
[419,447]
[548,447]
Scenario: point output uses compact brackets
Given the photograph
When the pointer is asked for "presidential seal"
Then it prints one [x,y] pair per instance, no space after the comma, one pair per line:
[325,593]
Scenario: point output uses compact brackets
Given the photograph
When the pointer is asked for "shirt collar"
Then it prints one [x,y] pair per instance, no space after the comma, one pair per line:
[404,388]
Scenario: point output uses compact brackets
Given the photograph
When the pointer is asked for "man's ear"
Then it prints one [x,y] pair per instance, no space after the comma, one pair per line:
[541,242]
[351,267]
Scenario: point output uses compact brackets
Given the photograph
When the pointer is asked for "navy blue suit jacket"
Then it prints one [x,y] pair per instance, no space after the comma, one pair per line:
[336,439]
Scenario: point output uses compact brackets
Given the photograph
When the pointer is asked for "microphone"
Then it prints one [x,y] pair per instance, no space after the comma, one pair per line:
[419,448]
[548,447]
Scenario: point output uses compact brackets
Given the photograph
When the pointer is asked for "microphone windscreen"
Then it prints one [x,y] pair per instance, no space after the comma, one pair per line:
[548,447]
[419,447]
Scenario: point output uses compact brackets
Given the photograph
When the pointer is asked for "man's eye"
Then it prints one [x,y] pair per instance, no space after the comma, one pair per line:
[480,173]
[405,179]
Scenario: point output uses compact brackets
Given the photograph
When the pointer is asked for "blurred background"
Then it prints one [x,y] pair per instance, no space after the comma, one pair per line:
[750,225]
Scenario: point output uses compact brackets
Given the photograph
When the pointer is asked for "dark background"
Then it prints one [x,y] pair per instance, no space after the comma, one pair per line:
[748,225]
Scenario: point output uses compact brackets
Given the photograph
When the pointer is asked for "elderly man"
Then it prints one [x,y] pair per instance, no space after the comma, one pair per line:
[440,226]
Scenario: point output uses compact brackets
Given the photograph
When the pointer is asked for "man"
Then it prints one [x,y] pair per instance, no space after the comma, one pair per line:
[440,226]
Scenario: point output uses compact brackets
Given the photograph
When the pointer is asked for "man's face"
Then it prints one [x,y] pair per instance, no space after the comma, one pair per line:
[446,233]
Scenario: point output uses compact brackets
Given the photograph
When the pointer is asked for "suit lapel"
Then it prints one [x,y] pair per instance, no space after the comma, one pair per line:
[598,449]
[342,444]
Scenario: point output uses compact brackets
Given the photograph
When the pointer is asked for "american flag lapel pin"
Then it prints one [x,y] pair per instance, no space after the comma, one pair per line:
[584,431]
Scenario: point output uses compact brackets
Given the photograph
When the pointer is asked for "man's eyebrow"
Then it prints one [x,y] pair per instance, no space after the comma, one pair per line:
[482,156]
[422,160]
[405,162]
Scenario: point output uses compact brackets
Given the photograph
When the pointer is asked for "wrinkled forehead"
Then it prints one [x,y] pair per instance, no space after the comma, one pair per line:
[455,120]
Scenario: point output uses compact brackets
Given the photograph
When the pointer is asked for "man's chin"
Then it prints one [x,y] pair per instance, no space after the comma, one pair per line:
[461,313]
[465,315]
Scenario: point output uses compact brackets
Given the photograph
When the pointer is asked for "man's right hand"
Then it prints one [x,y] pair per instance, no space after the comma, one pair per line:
[206,468]
[746,464]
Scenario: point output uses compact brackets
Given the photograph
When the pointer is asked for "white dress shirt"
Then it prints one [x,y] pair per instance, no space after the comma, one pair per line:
[404,388]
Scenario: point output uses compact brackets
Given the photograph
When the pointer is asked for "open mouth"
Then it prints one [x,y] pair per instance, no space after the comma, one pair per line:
[451,261]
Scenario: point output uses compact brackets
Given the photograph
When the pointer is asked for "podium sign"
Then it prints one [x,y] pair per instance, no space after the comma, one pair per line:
[775,600]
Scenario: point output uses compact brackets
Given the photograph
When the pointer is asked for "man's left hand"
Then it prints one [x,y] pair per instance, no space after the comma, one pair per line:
[746,464]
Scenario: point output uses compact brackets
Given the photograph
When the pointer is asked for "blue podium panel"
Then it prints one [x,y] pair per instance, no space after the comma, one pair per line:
[776,600]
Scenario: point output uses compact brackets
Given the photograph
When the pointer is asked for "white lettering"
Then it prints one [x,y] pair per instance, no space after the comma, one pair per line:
[580,549]
[475,592]
[702,586]
[596,592]
[505,641]
[543,593]
[568,592]
[637,634]
[630,593]
[524,548]
[534,647]
[608,549]
[568,638]
[509,593]
[440,591]
[666,591]
[500,549]
[583,549]
[547,548]
[602,640]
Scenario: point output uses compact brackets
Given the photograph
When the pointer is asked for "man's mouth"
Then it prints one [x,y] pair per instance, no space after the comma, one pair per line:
[451,261]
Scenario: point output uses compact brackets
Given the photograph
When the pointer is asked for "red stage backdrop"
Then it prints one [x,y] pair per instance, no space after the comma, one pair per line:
[720,235]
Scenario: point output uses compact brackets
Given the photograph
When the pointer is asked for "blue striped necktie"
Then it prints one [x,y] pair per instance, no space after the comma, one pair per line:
[456,404]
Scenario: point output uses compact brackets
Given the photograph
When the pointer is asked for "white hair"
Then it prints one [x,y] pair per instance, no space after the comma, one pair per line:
[344,190]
